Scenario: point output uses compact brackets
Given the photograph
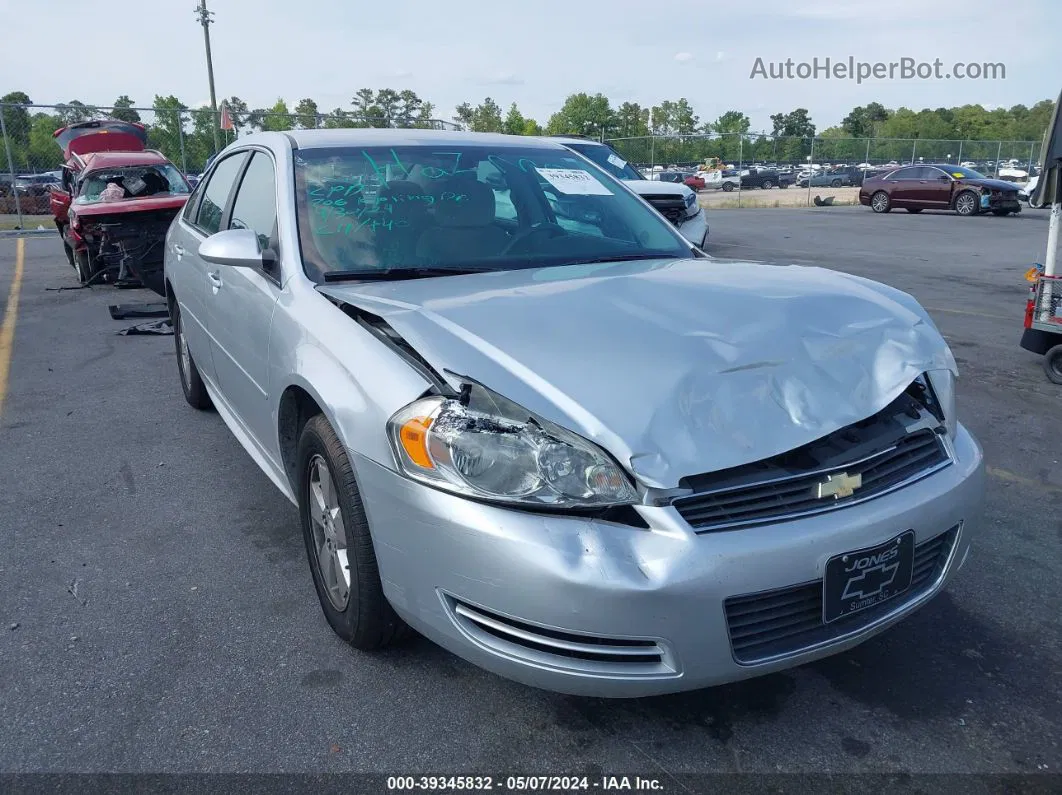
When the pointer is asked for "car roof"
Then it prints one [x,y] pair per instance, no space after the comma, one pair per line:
[97,160]
[357,136]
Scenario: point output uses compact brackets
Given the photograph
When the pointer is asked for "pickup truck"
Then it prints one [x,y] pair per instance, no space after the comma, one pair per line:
[765,178]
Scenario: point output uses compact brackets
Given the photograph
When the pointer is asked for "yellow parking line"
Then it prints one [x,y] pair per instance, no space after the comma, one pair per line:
[1020,316]
[1020,480]
[7,330]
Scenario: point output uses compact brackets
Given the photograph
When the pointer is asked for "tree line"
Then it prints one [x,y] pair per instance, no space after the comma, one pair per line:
[186,135]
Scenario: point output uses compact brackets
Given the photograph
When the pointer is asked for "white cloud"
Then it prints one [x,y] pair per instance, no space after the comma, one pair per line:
[684,57]
[719,56]
[504,79]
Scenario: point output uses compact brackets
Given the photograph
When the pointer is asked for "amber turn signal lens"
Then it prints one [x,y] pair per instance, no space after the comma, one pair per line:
[414,438]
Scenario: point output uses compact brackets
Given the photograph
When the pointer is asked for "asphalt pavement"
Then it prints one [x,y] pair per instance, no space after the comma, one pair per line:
[157,611]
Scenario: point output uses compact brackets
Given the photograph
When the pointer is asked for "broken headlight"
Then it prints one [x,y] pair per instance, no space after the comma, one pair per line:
[487,447]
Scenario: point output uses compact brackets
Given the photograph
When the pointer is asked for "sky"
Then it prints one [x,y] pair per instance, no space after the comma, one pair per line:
[535,53]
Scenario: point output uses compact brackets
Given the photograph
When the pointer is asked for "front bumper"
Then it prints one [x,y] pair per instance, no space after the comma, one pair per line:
[695,228]
[589,607]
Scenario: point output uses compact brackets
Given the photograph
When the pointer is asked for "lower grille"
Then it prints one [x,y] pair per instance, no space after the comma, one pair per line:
[559,648]
[787,621]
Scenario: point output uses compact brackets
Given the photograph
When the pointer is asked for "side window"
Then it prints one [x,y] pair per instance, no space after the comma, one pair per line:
[216,193]
[255,207]
[905,173]
[190,206]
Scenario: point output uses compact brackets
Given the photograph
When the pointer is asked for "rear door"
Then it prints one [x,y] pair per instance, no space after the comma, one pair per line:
[903,186]
[188,275]
[243,300]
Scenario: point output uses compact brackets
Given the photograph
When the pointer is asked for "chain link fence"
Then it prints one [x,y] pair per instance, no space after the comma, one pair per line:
[30,155]
[738,150]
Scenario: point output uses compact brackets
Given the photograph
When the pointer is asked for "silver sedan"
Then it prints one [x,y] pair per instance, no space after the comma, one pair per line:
[520,414]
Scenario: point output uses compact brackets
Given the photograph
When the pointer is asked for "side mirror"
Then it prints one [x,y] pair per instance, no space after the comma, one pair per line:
[236,247]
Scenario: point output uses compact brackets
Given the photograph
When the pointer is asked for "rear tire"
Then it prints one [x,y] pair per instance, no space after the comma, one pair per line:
[767,184]
[338,542]
[191,382]
[835,183]
[728,186]
[966,203]
[1053,364]
[880,202]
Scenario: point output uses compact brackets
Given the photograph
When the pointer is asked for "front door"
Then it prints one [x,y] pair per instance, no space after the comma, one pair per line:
[189,274]
[243,300]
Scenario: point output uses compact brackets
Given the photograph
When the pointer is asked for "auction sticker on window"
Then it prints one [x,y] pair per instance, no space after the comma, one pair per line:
[574,181]
[617,161]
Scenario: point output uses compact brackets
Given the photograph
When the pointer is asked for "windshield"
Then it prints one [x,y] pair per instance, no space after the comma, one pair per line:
[605,157]
[963,173]
[467,207]
[132,182]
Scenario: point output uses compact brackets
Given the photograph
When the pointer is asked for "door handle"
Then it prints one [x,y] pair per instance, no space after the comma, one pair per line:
[215,280]
[178,249]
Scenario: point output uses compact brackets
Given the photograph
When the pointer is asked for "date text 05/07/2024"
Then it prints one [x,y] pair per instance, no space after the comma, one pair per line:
[522,784]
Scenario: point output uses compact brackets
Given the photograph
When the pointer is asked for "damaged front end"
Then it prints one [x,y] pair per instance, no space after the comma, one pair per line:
[125,249]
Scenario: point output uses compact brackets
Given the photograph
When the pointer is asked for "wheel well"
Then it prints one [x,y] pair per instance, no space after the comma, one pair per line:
[297,406]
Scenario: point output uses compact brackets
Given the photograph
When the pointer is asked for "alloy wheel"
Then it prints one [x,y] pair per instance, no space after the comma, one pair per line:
[880,202]
[329,533]
[964,205]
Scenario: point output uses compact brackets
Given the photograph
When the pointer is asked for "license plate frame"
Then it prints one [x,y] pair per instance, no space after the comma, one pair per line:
[863,578]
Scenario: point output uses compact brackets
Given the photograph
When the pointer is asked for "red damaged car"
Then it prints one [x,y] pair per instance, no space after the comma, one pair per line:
[115,204]
[939,187]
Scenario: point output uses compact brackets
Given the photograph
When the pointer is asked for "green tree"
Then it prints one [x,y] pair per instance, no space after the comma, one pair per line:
[277,118]
[123,109]
[463,115]
[631,120]
[75,111]
[167,132]
[531,127]
[43,154]
[484,117]
[515,122]
[583,114]
[307,114]
[733,121]
[865,121]
[339,118]
[795,124]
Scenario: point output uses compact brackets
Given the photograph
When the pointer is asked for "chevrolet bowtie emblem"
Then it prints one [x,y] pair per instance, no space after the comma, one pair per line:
[837,486]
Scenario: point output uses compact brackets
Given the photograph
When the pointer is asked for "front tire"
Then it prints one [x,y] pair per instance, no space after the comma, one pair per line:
[728,186]
[84,266]
[191,382]
[338,543]
[880,202]
[767,184]
[966,203]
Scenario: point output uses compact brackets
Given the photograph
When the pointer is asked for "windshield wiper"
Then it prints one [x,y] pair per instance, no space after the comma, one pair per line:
[396,274]
[620,258]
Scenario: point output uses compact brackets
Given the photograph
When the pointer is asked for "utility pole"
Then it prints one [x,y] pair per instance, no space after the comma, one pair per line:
[204,18]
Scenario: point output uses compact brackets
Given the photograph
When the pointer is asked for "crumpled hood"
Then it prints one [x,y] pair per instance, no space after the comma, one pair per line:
[675,367]
[646,187]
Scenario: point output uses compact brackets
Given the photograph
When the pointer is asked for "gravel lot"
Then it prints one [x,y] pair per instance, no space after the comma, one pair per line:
[158,613]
